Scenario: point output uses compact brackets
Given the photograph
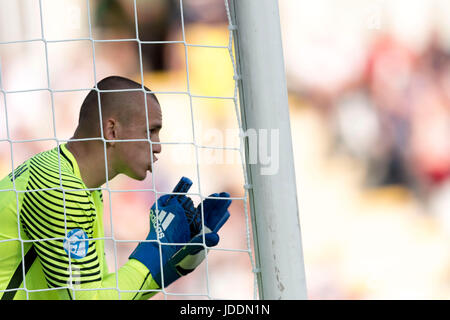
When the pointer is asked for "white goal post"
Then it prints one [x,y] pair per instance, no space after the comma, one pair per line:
[264,107]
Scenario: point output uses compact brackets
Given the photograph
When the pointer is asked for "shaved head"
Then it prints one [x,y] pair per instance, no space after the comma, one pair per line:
[124,106]
[131,120]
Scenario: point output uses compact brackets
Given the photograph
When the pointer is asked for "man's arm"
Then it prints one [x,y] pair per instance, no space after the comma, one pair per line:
[47,215]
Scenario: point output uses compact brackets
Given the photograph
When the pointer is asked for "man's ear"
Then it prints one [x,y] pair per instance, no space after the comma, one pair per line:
[110,130]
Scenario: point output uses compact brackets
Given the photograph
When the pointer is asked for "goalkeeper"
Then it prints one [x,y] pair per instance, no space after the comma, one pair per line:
[52,203]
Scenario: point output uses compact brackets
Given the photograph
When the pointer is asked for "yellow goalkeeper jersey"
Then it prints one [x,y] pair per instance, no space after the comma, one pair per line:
[51,230]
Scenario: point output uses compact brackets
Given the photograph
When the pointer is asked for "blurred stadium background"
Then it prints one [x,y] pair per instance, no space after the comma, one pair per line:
[369,93]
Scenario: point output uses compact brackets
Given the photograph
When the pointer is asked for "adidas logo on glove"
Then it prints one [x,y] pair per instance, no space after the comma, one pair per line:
[163,223]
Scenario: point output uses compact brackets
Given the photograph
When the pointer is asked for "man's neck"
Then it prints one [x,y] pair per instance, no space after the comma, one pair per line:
[90,157]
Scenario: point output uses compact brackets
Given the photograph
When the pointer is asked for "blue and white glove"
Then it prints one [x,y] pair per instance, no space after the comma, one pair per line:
[175,220]
[215,214]
[168,224]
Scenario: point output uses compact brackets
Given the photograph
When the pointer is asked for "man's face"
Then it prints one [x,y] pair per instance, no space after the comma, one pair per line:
[135,158]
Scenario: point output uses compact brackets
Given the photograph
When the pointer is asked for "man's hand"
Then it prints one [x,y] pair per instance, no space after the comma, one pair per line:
[178,227]
[202,224]
[169,230]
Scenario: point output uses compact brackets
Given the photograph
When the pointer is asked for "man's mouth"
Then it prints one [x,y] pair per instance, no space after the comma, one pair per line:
[150,166]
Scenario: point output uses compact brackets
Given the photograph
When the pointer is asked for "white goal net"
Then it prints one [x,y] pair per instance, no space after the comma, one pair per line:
[53,52]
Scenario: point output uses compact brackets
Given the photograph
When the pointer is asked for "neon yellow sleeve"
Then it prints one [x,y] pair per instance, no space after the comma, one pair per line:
[131,283]
[53,207]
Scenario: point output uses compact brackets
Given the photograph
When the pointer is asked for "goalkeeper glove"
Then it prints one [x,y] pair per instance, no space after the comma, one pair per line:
[215,213]
[180,222]
[168,224]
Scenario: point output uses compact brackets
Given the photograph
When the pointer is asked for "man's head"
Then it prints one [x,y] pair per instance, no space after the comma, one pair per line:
[124,117]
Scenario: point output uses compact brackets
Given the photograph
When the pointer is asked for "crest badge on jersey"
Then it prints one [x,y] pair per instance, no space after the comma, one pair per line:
[77,243]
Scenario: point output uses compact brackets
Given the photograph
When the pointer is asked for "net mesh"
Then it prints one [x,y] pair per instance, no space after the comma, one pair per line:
[219,266]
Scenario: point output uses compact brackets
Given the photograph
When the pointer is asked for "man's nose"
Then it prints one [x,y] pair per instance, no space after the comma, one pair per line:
[156,147]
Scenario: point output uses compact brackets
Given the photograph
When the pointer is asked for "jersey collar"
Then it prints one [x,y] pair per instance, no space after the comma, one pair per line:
[71,159]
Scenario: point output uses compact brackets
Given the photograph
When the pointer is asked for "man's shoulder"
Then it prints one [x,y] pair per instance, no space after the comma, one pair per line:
[48,177]
[52,169]
[42,166]
[53,185]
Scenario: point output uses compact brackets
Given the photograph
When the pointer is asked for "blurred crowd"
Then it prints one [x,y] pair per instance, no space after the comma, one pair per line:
[370,120]
[396,116]
[369,84]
